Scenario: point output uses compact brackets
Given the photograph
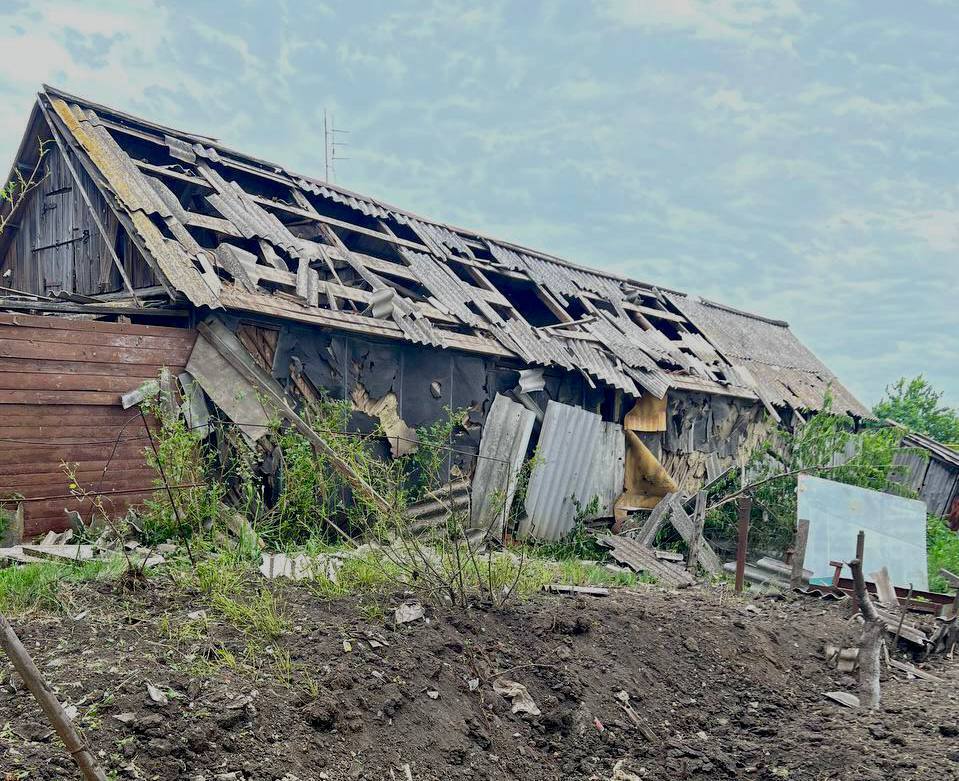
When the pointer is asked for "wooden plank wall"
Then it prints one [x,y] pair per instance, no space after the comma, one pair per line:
[60,387]
[56,244]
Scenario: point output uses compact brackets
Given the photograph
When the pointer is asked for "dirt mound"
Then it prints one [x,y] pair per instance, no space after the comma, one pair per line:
[641,684]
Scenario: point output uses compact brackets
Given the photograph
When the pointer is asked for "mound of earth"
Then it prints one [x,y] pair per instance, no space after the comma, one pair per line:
[641,684]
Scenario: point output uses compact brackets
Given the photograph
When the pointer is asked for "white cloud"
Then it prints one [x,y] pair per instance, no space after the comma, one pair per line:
[749,22]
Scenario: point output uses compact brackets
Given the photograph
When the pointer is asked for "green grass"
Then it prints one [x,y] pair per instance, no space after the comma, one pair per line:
[45,586]
[942,548]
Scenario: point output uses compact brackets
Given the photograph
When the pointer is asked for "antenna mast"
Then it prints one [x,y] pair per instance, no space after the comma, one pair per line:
[331,145]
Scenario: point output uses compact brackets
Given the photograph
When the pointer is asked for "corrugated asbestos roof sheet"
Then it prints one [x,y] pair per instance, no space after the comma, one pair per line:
[784,370]
[356,244]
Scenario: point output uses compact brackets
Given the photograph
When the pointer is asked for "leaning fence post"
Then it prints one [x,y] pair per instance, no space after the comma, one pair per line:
[49,704]
[745,507]
[799,553]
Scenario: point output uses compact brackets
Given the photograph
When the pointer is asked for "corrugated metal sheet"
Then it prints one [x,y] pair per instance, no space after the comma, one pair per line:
[608,469]
[447,289]
[596,363]
[130,186]
[249,218]
[642,559]
[502,449]
[563,472]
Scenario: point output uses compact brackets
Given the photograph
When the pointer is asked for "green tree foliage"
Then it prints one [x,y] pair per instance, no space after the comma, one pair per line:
[771,474]
[918,405]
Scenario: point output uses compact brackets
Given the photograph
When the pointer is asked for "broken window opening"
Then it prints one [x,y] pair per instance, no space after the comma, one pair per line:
[525,297]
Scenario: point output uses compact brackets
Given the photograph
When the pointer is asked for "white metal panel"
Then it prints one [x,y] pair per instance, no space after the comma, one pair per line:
[563,471]
[608,469]
[503,446]
[895,530]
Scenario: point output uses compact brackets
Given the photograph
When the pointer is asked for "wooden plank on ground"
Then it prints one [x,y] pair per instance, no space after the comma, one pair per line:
[647,532]
[707,557]
[884,588]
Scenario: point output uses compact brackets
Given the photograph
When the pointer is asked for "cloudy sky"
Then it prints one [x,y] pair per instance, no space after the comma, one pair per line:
[794,159]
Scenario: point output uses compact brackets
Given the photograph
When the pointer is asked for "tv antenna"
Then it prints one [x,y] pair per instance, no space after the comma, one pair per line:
[332,145]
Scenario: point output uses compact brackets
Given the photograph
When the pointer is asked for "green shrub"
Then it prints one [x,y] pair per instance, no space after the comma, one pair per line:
[942,552]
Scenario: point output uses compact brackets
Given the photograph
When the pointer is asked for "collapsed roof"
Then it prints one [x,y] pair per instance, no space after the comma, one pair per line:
[226,230]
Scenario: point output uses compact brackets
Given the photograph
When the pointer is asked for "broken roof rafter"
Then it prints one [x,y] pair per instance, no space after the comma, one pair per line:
[227,229]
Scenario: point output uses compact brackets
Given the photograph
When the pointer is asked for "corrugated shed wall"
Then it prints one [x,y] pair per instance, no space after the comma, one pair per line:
[60,387]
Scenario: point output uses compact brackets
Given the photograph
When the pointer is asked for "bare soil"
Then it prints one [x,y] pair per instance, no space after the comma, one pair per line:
[722,688]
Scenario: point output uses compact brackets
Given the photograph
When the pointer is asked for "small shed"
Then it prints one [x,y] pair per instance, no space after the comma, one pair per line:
[933,473]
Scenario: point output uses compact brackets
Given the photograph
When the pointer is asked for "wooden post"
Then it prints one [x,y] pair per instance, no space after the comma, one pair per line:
[745,507]
[870,645]
[860,549]
[49,704]
[699,520]
[799,553]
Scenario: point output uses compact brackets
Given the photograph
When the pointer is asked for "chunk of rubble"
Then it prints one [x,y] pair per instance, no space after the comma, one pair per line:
[518,693]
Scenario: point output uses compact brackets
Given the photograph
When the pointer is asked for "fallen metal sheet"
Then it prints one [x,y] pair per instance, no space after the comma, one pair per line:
[642,559]
[562,475]
[502,449]
[762,575]
[895,530]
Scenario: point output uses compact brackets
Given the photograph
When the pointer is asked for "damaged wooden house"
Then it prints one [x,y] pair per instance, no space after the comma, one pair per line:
[145,247]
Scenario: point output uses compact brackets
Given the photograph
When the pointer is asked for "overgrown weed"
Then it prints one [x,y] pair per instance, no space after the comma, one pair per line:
[46,586]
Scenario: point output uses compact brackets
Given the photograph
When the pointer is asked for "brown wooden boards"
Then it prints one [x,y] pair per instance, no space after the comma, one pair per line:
[60,387]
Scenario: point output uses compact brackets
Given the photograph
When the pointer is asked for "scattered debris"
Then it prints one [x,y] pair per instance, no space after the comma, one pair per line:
[843,698]
[157,695]
[644,560]
[910,669]
[408,612]
[590,591]
[846,660]
[518,693]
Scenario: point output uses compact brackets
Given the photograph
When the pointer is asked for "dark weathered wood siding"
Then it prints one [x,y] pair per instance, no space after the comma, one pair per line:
[60,387]
[56,244]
